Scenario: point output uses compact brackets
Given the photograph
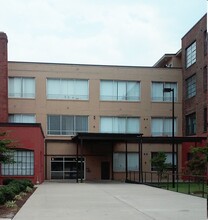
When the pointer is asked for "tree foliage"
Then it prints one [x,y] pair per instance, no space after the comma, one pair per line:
[5,149]
[158,162]
[199,161]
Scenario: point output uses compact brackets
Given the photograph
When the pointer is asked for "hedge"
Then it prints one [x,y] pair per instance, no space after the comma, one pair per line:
[13,188]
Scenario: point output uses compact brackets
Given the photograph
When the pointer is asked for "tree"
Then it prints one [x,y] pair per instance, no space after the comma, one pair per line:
[199,161]
[158,162]
[5,149]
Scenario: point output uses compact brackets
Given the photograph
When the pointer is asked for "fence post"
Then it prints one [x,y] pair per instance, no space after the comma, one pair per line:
[167,181]
[189,186]
[177,182]
[203,187]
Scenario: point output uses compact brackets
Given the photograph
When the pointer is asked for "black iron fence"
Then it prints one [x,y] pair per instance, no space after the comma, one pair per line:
[189,184]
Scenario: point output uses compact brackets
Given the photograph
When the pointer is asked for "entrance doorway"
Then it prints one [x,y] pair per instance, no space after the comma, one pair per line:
[105,170]
[66,168]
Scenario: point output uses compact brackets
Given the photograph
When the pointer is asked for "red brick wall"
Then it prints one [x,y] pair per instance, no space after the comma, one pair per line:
[3,78]
[30,137]
[198,102]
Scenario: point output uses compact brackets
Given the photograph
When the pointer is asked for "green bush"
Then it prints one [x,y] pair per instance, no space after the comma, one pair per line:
[13,188]
[2,198]
[7,181]
[8,192]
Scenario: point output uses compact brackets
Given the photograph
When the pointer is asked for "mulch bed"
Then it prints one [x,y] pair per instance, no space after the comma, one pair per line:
[11,212]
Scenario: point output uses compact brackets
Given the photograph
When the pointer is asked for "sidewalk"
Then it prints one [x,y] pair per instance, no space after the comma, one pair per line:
[103,201]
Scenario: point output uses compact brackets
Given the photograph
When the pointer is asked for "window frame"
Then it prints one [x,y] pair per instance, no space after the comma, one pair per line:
[22,94]
[190,53]
[22,118]
[191,124]
[166,97]
[115,121]
[18,166]
[168,155]
[116,88]
[61,131]
[122,167]
[191,86]
[65,95]
[164,120]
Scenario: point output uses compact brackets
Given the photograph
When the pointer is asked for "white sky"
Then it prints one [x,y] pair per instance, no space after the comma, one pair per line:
[114,32]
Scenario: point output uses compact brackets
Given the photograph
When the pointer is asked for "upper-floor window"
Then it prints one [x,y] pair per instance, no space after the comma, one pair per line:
[77,89]
[163,126]
[119,90]
[191,124]
[21,87]
[66,124]
[191,54]
[22,118]
[158,93]
[191,86]
[119,124]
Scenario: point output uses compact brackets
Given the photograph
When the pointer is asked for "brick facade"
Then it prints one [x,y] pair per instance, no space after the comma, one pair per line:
[3,78]
[197,103]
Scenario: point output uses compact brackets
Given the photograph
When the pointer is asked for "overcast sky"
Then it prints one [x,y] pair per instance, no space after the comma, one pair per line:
[114,32]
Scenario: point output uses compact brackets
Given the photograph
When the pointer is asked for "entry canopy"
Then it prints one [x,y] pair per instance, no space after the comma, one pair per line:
[134,138]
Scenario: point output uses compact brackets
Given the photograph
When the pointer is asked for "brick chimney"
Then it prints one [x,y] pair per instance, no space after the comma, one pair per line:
[3,78]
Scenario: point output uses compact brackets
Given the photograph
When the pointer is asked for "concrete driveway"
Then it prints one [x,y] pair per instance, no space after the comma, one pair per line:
[103,201]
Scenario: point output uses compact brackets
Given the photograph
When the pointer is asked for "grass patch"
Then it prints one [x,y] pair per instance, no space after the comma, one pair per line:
[197,189]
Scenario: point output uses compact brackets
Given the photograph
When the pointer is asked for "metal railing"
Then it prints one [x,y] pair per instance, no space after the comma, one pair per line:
[188,184]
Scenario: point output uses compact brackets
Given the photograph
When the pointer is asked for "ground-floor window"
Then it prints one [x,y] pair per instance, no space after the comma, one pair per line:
[23,164]
[119,162]
[168,160]
[67,167]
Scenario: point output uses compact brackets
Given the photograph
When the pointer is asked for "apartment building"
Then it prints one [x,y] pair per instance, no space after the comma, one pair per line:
[98,121]
[192,58]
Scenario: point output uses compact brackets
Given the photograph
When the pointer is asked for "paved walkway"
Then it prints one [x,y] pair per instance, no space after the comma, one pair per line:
[109,201]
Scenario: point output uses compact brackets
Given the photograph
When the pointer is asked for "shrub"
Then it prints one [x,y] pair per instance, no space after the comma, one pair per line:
[2,198]
[10,204]
[7,181]
[18,197]
[8,192]
[28,189]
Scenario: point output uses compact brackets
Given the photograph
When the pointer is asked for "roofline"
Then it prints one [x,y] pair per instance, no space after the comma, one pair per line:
[168,55]
[87,65]
[8,124]
[195,25]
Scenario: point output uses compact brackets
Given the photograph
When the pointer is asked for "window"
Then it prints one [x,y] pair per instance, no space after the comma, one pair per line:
[191,54]
[21,87]
[73,89]
[119,90]
[191,86]
[66,125]
[119,125]
[159,96]
[205,119]
[162,126]
[22,118]
[23,165]
[205,78]
[168,160]
[191,124]
[119,162]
